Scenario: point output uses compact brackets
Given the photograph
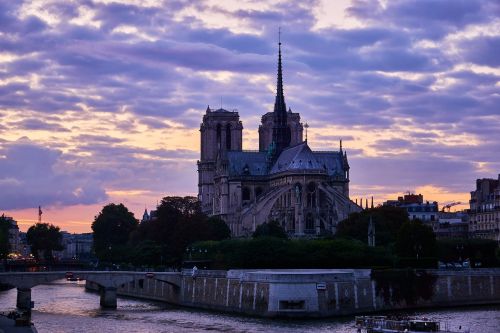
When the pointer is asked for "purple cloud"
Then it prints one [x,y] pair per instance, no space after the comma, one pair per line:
[395,72]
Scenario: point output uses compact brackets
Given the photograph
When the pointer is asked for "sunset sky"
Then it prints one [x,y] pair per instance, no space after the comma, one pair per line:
[101,100]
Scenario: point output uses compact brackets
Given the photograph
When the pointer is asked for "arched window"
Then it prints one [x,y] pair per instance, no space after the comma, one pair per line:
[309,223]
[298,192]
[228,137]
[245,194]
[311,194]
[219,134]
[258,192]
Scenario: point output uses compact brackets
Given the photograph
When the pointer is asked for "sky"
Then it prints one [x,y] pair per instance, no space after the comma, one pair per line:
[101,100]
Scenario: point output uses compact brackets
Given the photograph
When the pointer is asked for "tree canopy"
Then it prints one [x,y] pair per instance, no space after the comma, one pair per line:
[415,240]
[112,228]
[270,229]
[387,221]
[44,238]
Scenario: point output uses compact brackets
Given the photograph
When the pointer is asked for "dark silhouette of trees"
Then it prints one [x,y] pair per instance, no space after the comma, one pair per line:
[270,229]
[44,238]
[415,240]
[218,229]
[387,220]
[4,237]
[179,223]
[112,228]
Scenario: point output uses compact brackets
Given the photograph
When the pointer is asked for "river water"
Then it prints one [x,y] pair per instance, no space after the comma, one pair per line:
[66,307]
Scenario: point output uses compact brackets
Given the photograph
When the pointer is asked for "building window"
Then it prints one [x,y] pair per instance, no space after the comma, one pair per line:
[311,195]
[309,222]
[228,137]
[298,192]
[245,195]
[219,134]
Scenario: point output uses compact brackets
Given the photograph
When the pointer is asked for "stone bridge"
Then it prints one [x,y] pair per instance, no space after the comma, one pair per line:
[108,282]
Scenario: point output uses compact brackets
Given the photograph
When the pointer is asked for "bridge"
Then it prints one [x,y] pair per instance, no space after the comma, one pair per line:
[108,282]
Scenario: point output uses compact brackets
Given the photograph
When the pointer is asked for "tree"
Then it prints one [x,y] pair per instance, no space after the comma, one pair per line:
[387,220]
[218,229]
[415,240]
[112,228]
[4,237]
[179,223]
[44,238]
[271,229]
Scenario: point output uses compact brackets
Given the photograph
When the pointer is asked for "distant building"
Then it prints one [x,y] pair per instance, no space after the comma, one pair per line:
[16,246]
[152,215]
[76,246]
[451,225]
[484,212]
[416,207]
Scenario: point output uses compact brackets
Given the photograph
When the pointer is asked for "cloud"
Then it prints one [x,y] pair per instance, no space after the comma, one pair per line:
[33,175]
[483,51]
[34,124]
[115,91]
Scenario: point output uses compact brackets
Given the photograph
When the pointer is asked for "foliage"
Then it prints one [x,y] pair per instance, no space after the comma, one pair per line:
[146,253]
[387,221]
[271,229]
[272,252]
[4,237]
[415,240]
[218,229]
[45,238]
[476,250]
[111,232]
[179,223]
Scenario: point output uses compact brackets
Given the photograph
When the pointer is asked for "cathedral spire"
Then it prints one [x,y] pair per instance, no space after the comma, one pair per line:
[281,132]
[279,104]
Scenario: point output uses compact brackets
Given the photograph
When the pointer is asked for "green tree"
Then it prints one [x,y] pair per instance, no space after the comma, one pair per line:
[218,229]
[270,229]
[44,238]
[387,220]
[4,237]
[179,223]
[415,240]
[111,230]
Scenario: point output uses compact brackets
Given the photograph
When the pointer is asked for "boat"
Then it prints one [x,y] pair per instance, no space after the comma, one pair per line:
[385,324]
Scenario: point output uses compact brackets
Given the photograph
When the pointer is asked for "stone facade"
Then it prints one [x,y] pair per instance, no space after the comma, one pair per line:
[319,293]
[484,212]
[306,191]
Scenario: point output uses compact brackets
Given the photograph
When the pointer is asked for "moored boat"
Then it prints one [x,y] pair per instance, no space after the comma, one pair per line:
[384,324]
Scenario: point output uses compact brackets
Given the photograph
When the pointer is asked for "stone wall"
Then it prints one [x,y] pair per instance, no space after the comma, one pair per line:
[321,293]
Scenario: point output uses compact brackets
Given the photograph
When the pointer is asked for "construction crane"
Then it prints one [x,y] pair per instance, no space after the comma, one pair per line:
[451,204]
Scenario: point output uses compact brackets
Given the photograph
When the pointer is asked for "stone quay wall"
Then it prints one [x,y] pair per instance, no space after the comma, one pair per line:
[320,293]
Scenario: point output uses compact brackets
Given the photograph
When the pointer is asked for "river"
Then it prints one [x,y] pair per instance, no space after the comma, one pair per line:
[66,307]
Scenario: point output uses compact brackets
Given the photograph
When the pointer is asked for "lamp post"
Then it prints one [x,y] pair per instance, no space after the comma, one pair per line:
[460,249]
[417,248]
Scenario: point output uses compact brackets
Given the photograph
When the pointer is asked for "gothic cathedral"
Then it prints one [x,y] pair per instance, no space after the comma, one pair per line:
[305,191]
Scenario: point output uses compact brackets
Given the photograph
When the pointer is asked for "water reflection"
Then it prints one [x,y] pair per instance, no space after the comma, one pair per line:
[66,307]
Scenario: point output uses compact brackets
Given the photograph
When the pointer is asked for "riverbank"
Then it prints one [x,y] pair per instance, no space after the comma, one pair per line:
[319,293]
[8,325]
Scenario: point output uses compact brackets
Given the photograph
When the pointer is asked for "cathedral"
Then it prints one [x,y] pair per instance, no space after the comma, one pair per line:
[305,191]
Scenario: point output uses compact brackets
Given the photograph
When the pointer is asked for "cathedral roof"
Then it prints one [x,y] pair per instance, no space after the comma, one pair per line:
[297,157]
[247,163]
[301,157]
[332,161]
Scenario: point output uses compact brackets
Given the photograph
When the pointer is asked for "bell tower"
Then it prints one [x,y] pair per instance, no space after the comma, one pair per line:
[221,131]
